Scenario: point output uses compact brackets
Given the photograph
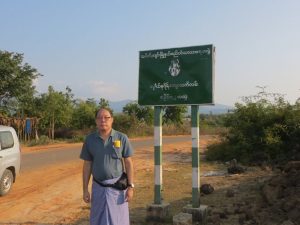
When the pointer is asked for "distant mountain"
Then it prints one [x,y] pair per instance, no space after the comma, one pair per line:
[215,109]
[117,107]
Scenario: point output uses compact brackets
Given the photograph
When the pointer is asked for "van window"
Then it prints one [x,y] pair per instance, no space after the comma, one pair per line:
[6,140]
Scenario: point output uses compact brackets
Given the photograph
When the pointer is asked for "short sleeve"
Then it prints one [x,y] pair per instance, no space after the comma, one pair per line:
[85,154]
[127,150]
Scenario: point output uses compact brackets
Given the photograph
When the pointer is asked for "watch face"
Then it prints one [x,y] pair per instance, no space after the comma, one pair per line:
[131,185]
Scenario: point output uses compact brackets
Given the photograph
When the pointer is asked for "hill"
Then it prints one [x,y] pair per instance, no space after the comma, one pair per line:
[117,106]
[215,109]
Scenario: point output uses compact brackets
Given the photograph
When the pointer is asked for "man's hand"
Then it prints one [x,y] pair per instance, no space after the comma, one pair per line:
[86,174]
[86,197]
[129,194]
[129,170]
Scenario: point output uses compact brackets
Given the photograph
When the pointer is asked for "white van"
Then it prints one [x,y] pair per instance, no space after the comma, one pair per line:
[10,158]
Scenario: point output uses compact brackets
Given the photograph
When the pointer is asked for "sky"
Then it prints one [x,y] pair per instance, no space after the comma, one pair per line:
[93,46]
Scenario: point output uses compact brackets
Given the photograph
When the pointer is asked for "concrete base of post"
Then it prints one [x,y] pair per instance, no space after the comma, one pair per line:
[182,219]
[198,214]
[158,212]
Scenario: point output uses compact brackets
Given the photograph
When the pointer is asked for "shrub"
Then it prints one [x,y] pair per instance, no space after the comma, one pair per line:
[260,130]
[43,140]
[76,139]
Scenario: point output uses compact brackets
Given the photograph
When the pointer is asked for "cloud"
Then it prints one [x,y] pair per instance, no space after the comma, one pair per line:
[104,90]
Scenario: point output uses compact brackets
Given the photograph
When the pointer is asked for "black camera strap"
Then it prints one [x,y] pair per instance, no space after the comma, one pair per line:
[103,185]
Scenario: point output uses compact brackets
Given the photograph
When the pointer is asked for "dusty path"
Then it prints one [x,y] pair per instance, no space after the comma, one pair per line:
[44,196]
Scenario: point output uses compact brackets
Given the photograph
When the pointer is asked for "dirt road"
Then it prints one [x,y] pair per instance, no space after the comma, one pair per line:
[44,196]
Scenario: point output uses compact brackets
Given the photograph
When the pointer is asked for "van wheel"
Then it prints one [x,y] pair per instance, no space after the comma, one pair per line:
[6,182]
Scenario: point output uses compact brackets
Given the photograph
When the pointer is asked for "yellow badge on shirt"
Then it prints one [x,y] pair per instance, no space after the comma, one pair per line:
[117,143]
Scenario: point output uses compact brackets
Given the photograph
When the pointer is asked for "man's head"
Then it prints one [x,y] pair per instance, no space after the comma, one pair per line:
[104,119]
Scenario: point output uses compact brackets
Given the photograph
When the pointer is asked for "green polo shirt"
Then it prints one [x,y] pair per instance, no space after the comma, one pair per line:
[106,159]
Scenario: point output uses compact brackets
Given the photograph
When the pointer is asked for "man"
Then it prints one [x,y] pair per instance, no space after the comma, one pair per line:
[103,152]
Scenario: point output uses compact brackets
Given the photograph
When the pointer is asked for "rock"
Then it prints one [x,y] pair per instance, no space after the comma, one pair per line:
[265,166]
[223,215]
[234,168]
[242,219]
[292,165]
[282,193]
[237,210]
[228,211]
[230,193]
[214,219]
[206,189]
[249,214]
[271,193]
[182,219]
[233,163]
[294,215]
[287,222]
[290,205]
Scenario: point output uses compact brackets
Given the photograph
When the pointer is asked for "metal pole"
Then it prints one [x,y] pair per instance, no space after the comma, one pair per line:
[158,153]
[195,157]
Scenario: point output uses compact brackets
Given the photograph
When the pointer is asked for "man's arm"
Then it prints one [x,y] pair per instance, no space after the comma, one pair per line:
[129,170]
[86,174]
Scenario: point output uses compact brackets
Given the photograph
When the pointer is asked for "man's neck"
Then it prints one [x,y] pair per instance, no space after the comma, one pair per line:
[104,134]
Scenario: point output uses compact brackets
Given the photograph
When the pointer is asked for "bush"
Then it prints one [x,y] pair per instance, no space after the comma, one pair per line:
[77,139]
[43,140]
[261,130]
[123,123]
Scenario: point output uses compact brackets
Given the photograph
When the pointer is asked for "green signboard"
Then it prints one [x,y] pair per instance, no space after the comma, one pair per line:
[177,76]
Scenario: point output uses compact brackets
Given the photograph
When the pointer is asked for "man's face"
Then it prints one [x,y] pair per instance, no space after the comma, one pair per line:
[104,120]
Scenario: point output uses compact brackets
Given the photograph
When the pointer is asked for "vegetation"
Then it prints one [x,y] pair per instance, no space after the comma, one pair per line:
[265,128]
[174,114]
[141,113]
[212,124]
[55,109]
[16,86]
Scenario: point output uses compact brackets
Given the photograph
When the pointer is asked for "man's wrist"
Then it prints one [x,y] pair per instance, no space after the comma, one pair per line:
[131,185]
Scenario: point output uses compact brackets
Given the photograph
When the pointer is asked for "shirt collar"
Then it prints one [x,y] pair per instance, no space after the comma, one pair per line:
[112,134]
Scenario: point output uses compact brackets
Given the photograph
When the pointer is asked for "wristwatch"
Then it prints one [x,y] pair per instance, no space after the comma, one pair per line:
[131,185]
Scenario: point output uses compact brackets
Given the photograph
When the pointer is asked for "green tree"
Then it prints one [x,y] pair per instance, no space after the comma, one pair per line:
[16,86]
[56,109]
[174,114]
[103,103]
[141,113]
[84,114]
[124,123]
